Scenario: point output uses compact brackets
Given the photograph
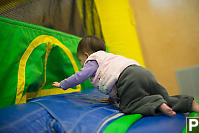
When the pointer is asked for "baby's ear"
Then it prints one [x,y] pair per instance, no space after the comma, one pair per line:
[87,54]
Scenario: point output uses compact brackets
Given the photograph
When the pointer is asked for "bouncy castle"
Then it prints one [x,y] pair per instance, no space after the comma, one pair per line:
[38,42]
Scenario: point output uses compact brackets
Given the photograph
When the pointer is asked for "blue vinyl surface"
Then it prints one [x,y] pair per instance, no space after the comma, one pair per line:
[81,112]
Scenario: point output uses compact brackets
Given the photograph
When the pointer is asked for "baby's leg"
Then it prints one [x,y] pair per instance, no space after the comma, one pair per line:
[133,89]
[179,103]
[195,107]
[164,108]
[148,105]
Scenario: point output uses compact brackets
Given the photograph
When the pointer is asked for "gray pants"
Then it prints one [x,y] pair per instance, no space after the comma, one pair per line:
[139,92]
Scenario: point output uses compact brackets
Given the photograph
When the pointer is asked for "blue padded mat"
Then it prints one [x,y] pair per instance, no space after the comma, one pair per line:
[159,124]
[80,112]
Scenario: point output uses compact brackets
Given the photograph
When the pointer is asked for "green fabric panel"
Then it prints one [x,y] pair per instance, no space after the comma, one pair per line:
[193,114]
[15,37]
[122,124]
[35,69]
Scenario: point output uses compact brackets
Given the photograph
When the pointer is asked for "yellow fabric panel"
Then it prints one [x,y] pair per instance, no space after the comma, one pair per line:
[118,28]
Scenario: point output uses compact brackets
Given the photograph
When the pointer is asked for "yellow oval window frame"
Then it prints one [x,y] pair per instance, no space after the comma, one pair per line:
[50,41]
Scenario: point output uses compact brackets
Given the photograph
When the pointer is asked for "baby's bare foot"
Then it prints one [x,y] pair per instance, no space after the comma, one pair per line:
[164,108]
[195,107]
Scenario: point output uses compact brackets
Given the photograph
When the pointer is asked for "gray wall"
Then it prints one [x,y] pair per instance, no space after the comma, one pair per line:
[188,81]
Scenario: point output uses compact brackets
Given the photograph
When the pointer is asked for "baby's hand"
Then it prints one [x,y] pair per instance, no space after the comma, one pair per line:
[56,84]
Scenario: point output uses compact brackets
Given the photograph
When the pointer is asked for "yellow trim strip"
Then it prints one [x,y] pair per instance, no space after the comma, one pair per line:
[48,49]
[22,65]
[49,46]
[52,91]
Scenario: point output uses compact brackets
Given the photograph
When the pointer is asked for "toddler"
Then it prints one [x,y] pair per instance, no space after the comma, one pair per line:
[133,87]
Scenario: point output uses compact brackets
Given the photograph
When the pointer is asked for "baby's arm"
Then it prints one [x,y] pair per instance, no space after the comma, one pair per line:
[86,72]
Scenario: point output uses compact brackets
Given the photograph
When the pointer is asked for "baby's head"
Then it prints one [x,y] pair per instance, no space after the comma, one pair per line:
[89,45]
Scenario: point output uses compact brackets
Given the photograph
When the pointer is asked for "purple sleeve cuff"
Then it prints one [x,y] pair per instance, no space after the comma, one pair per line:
[86,72]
